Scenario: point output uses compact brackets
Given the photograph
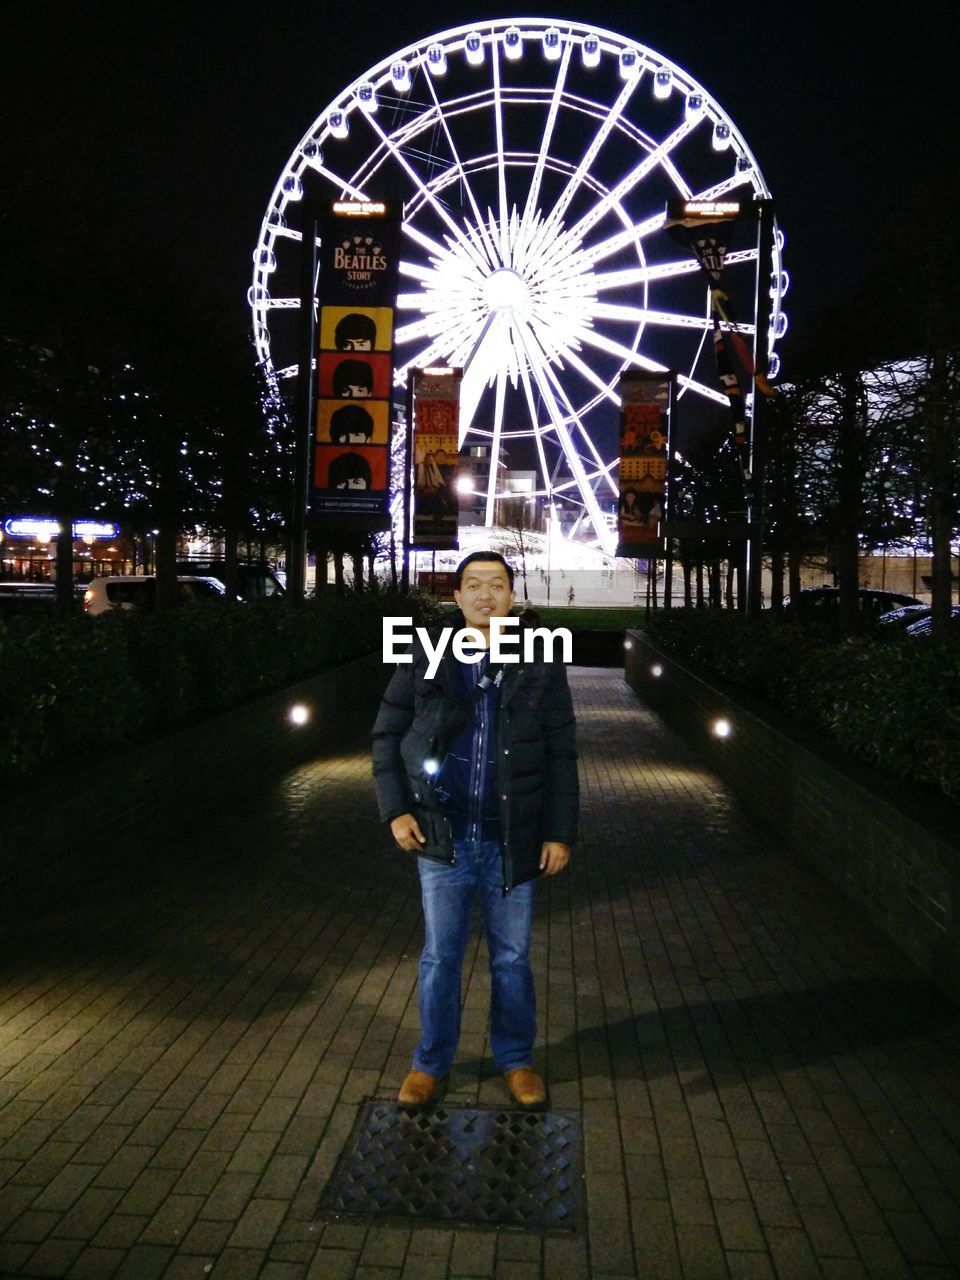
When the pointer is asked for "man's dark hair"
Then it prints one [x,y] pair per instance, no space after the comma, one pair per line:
[349,466]
[483,555]
[352,373]
[352,327]
[350,420]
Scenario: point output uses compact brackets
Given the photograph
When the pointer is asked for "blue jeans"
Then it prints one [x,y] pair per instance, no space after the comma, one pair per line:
[448,895]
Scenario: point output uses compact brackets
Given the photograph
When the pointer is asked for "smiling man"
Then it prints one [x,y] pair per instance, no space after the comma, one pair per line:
[476,773]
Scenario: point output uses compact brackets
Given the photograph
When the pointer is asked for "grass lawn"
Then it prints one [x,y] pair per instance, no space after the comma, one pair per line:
[589,618]
[592,619]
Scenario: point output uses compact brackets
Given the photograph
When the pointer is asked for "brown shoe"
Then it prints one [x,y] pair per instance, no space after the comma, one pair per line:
[420,1089]
[526,1087]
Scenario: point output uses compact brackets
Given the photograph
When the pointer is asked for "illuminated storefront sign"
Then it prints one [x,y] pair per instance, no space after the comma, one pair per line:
[28,527]
[692,212]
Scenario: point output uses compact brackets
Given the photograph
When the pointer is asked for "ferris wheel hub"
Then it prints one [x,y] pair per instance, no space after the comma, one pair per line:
[505,290]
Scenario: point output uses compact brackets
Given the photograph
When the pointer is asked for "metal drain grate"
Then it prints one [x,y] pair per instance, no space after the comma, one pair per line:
[460,1164]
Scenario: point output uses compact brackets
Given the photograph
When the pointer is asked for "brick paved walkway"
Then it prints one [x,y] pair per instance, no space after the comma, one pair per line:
[767,1088]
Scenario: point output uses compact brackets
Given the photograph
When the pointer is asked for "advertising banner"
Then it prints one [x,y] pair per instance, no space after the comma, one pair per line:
[707,229]
[435,396]
[358,260]
[646,401]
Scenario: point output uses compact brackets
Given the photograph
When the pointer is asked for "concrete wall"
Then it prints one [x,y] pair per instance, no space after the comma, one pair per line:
[79,821]
[892,848]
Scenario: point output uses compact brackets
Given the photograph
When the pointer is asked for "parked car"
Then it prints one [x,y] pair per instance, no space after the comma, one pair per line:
[824,602]
[140,592]
[27,599]
[255,581]
[899,619]
[925,626]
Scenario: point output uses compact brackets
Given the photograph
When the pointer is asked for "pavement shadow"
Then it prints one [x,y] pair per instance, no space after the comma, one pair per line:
[755,1036]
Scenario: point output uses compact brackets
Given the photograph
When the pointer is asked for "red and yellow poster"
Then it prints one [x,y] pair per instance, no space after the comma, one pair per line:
[645,401]
[436,458]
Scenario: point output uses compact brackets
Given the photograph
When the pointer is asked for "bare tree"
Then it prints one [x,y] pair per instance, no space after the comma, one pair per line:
[517,534]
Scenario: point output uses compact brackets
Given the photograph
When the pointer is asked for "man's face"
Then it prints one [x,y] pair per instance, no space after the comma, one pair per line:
[355,437]
[357,344]
[484,593]
[355,482]
[354,391]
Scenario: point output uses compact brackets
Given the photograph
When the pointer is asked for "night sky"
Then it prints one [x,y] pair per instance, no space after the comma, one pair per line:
[168,123]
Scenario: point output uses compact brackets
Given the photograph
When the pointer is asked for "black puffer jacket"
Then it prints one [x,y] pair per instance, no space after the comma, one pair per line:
[536,756]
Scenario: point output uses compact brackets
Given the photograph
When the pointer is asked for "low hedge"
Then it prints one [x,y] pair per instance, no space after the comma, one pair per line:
[88,683]
[894,702]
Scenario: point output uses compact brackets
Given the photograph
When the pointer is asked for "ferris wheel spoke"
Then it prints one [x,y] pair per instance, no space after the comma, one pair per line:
[722,188]
[676,177]
[633,358]
[452,341]
[608,124]
[421,328]
[632,276]
[741,255]
[445,330]
[533,194]
[436,351]
[600,342]
[701,389]
[537,431]
[481,363]
[426,192]
[428,355]
[432,246]
[499,400]
[565,401]
[590,375]
[537,366]
[345,185]
[669,319]
[417,271]
[451,345]
[463,178]
[696,360]
[501,166]
[623,239]
[551,486]
[452,287]
[634,178]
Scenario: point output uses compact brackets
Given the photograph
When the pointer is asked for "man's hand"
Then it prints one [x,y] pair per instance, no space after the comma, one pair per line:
[407,833]
[554,857]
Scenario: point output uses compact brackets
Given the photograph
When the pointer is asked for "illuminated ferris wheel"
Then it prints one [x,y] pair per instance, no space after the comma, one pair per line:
[534,160]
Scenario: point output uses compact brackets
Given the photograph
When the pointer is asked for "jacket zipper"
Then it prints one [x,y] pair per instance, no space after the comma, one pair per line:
[505,856]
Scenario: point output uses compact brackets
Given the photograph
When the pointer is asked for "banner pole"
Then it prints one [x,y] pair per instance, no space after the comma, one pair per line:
[303,412]
[407,480]
[755,513]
